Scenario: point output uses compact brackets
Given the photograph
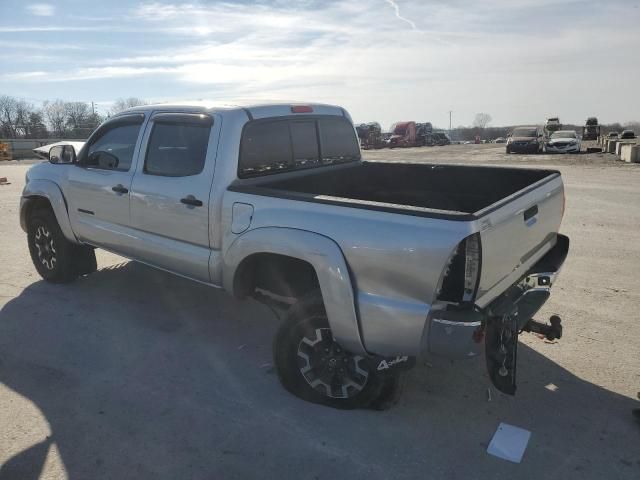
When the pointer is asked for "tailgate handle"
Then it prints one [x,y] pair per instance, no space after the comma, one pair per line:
[530,212]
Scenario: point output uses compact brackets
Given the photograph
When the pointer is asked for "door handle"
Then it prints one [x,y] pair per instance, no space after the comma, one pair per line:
[191,200]
[119,188]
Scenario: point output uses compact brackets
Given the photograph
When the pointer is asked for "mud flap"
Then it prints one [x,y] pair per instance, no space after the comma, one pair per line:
[501,350]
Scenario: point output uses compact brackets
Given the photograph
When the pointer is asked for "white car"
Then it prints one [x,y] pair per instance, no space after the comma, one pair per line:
[563,141]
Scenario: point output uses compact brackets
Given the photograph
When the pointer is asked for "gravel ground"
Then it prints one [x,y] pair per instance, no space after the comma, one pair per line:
[134,373]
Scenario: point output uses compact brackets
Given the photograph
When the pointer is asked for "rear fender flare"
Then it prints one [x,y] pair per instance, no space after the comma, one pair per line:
[50,191]
[325,257]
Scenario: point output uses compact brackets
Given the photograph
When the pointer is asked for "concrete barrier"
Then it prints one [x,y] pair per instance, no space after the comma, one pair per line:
[630,153]
[611,146]
[620,144]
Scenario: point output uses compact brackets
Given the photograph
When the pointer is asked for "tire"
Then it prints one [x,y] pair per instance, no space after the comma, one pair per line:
[306,333]
[56,259]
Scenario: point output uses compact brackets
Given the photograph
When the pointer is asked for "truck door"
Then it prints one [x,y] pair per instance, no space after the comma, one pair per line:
[170,194]
[98,186]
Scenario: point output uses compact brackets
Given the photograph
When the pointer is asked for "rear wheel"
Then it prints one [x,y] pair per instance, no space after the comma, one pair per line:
[56,259]
[314,367]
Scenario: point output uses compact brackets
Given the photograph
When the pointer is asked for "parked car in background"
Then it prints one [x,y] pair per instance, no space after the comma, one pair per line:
[613,135]
[525,140]
[500,140]
[626,134]
[563,141]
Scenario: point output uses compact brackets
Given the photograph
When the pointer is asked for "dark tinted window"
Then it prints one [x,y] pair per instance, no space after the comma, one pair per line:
[305,144]
[114,149]
[337,140]
[266,147]
[279,145]
[177,150]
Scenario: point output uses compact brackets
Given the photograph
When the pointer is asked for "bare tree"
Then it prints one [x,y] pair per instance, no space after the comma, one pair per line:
[8,114]
[56,115]
[123,103]
[77,114]
[482,120]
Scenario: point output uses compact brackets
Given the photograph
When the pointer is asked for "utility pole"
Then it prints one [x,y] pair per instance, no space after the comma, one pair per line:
[93,110]
[450,111]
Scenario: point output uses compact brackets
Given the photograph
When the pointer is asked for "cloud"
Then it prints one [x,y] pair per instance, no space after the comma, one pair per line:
[397,9]
[354,53]
[41,9]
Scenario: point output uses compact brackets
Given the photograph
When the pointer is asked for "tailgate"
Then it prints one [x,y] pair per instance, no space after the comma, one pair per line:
[516,232]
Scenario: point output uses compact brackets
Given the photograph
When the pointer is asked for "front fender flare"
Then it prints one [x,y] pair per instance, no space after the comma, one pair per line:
[49,190]
[325,257]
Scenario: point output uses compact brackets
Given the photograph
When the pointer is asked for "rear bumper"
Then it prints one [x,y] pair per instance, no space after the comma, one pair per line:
[459,334]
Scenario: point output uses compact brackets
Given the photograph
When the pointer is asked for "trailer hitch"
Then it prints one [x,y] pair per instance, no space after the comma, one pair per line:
[550,332]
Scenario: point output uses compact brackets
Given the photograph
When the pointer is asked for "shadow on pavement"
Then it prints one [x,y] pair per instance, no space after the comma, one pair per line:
[141,374]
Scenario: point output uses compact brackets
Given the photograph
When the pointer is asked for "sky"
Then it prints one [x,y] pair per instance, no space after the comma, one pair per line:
[520,61]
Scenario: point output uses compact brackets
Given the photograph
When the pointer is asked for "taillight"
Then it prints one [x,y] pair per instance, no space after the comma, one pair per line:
[301,109]
[471,267]
[461,275]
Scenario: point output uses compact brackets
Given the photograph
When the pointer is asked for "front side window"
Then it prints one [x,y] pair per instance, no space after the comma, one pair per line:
[177,149]
[113,150]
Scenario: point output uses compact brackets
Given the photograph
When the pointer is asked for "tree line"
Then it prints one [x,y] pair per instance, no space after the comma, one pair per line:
[54,119]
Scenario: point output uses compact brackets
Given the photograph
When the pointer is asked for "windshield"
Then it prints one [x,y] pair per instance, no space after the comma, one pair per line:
[525,132]
[564,134]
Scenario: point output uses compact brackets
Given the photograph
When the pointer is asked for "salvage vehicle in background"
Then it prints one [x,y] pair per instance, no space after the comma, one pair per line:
[441,139]
[627,134]
[403,134]
[525,140]
[500,140]
[591,129]
[613,135]
[374,262]
[552,125]
[370,135]
[562,141]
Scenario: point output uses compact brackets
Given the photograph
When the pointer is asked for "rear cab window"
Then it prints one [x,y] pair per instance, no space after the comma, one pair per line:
[284,144]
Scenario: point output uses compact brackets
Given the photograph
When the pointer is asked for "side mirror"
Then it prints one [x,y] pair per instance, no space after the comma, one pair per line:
[62,154]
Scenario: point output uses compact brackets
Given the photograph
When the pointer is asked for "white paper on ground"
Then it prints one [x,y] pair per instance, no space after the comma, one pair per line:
[509,442]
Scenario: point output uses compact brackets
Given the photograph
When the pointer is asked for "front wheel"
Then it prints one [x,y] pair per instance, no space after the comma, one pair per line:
[56,259]
[314,367]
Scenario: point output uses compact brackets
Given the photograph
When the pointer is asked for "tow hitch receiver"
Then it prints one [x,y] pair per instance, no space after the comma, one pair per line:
[501,349]
[550,332]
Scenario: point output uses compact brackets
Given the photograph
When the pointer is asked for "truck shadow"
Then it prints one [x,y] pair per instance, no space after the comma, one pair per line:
[141,374]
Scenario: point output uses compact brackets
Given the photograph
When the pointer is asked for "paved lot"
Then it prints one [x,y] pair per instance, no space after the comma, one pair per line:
[134,373]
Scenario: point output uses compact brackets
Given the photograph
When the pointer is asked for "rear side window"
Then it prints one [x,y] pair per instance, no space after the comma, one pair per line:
[177,149]
[272,146]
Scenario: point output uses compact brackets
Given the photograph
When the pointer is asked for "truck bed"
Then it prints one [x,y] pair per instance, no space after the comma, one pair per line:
[445,191]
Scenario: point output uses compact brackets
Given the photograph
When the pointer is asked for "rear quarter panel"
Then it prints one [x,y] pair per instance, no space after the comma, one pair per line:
[395,261]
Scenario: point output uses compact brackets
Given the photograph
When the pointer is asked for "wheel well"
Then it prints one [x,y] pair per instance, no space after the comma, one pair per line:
[280,275]
[36,203]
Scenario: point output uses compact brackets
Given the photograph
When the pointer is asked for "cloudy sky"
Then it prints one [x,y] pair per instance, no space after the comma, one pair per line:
[385,60]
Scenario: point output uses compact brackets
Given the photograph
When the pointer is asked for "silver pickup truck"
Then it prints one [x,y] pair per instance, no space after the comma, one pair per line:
[376,262]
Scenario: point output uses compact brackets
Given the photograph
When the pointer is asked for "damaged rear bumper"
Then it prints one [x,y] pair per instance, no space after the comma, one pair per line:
[461,333]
